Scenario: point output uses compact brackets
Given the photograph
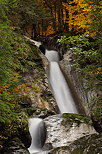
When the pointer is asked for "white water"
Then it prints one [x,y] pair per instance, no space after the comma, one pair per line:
[34,131]
[59,85]
[52,55]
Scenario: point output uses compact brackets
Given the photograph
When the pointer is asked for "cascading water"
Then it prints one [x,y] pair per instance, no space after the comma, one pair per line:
[62,95]
[35,130]
[59,85]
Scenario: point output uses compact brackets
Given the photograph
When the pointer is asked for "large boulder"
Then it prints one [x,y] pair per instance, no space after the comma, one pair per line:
[64,130]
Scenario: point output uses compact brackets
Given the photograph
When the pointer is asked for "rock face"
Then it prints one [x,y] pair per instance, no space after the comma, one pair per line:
[62,131]
[90,144]
[74,76]
[42,97]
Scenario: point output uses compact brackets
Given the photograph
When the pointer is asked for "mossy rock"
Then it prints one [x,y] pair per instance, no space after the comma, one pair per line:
[87,145]
[29,111]
[71,118]
[61,150]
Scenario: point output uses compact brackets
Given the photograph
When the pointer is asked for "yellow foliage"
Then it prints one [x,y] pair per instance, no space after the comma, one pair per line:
[78,14]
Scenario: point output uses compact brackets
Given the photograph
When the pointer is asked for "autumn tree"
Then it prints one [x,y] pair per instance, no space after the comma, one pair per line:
[78,13]
[67,15]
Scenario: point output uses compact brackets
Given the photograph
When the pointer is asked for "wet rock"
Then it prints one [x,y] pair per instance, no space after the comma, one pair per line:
[61,132]
[42,49]
[15,146]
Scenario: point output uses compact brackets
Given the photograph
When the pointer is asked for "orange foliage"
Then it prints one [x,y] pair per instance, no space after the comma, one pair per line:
[4,88]
[49,30]
[21,88]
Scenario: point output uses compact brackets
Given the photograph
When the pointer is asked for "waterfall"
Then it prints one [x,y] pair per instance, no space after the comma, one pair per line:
[59,85]
[36,129]
[62,95]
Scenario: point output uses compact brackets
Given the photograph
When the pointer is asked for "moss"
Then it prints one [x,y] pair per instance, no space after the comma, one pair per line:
[39,110]
[69,117]
[34,56]
[88,144]
[64,148]
[29,110]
